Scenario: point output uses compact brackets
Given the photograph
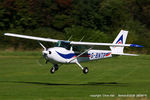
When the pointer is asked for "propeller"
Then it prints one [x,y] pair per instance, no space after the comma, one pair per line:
[42,60]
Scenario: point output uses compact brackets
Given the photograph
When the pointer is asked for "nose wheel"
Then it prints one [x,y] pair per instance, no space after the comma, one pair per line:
[54,68]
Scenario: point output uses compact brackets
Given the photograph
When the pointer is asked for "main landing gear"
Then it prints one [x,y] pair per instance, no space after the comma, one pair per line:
[85,69]
[54,68]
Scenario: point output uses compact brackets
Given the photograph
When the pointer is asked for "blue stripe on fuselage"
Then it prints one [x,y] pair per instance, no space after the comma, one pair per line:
[70,55]
[66,56]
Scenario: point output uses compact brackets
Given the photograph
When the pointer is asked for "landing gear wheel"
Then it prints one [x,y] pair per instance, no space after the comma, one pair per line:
[85,70]
[52,70]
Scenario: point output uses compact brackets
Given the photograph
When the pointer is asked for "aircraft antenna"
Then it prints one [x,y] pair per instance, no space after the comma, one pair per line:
[70,38]
[82,38]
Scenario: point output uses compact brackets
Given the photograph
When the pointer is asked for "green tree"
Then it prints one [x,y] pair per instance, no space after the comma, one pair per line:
[92,35]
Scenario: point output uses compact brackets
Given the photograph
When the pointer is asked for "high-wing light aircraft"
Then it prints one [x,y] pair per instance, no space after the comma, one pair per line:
[66,52]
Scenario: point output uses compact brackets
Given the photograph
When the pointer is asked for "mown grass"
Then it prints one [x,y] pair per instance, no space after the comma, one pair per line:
[20,53]
[22,78]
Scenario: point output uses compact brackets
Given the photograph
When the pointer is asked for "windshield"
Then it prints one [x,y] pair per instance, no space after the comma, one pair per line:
[63,44]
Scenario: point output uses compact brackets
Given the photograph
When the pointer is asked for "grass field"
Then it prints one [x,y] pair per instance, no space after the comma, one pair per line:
[124,77]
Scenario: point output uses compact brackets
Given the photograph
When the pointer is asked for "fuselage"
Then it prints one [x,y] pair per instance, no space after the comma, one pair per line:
[62,55]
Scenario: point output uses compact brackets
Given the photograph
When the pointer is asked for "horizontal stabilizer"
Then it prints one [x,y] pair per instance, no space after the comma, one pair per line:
[125,54]
[135,45]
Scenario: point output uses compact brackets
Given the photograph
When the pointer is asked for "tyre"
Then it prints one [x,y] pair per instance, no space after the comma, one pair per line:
[52,70]
[85,70]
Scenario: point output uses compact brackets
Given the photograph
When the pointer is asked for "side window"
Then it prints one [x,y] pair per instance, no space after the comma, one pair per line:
[63,44]
[75,48]
[79,48]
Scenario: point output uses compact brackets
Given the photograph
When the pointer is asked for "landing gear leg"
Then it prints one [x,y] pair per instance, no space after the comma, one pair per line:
[54,68]
[85,69]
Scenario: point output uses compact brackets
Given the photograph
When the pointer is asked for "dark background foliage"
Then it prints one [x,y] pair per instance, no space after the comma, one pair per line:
[96,20]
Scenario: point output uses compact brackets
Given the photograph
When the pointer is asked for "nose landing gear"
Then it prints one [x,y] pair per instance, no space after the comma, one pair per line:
[54,68]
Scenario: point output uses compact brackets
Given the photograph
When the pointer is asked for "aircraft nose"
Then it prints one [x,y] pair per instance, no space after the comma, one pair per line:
[45,53]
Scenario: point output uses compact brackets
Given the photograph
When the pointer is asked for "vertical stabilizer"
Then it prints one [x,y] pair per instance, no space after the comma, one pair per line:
[120,39]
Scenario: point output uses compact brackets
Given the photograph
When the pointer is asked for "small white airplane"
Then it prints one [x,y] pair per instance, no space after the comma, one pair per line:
[66,52]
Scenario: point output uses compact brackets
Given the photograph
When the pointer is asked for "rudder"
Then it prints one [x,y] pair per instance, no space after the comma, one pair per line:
[120,39]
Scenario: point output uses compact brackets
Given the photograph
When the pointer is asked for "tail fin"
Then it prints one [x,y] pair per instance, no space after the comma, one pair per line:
[120,39]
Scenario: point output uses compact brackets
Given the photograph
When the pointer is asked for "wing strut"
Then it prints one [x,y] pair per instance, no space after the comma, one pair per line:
[42,45]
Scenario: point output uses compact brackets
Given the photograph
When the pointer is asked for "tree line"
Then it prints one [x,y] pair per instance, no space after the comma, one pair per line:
[95,20]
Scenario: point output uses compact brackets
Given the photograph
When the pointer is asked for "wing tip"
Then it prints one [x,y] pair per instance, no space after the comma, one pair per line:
[4,33]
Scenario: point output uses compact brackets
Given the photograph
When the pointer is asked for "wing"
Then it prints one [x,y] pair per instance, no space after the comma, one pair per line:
[104,44]
[71,42]
[31,37]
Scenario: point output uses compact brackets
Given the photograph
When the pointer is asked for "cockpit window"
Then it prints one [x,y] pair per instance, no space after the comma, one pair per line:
[63,44]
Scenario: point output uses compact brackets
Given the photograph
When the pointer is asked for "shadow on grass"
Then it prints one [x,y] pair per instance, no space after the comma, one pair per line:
[67,84]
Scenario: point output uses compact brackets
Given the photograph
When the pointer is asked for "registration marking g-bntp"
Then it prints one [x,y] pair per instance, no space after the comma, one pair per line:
[95,55]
